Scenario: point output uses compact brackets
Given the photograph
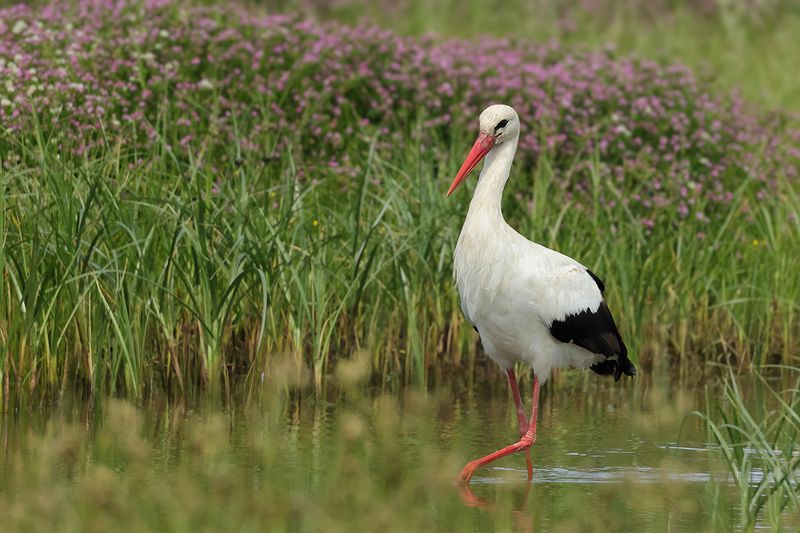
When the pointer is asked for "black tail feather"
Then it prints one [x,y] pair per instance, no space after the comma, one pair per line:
[617,368]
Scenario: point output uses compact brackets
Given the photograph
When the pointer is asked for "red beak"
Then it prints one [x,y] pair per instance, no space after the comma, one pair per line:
[483,144]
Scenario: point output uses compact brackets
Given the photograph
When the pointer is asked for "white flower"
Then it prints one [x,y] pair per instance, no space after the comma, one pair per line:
[19,27]
[622,130]
[5,102]
[205,84]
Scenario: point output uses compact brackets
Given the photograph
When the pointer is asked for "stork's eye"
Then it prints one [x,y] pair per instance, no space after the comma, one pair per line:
[501,124]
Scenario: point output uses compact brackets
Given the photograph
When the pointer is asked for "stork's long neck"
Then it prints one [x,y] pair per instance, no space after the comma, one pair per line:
[485,232]
[488,197]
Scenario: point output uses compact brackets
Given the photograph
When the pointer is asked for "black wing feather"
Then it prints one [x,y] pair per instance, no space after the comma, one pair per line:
[593,330]
[596,332]
[600,284]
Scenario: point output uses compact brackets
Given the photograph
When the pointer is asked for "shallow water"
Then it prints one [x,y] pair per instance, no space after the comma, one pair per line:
[607,458]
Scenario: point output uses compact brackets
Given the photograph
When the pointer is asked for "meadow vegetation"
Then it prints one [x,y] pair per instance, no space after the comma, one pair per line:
[196,199]
[233,186]
[743,45]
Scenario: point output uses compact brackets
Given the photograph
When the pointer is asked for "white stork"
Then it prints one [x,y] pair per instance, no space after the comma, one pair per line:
[527,302]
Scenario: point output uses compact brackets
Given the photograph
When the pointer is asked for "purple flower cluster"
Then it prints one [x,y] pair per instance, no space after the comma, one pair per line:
[140,73]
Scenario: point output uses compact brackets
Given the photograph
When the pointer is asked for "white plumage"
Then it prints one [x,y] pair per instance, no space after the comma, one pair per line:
[528,303]
[513,289]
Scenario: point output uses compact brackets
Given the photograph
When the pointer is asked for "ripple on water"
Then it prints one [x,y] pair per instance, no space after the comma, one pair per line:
[580,476]
[609,474]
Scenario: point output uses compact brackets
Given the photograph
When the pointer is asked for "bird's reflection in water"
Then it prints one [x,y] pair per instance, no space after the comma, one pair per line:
[522,514]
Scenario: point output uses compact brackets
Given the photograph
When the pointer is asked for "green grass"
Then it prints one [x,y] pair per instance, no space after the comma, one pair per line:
[129,280]
[759,445]
[137,279]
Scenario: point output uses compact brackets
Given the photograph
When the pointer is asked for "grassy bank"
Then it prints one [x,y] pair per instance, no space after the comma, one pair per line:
[197,226]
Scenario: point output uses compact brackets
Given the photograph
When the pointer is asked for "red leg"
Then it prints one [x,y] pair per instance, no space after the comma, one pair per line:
[534,417]
[524,443]
[521,418]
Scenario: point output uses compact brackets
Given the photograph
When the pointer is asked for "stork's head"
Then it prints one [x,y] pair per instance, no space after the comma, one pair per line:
[498,123]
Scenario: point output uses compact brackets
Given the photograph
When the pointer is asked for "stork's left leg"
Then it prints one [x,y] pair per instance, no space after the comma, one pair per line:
[524,443]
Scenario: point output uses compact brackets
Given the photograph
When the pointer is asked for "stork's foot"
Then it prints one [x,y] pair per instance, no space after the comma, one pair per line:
[466,473]
[524,443]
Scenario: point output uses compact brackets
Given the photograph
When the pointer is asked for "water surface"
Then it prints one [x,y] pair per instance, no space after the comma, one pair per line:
[607,458]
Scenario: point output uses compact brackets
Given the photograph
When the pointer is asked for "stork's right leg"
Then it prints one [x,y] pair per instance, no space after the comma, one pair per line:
[521,418]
